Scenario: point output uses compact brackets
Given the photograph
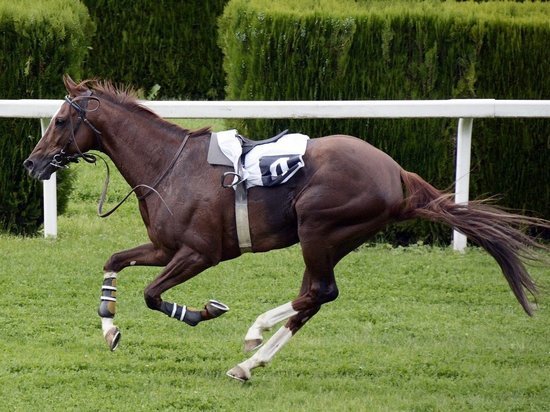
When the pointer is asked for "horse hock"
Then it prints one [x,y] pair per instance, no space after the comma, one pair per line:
[107,310]
[192,317]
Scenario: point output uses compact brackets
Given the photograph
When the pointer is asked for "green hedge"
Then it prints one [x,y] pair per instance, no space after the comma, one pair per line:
[345,49]
[39,41]
[169,43]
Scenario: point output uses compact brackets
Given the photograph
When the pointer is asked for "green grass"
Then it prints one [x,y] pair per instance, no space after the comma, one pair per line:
[414,329]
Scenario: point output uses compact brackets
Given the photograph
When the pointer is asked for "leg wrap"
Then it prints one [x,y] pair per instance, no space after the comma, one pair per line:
[107,306]
[192,317]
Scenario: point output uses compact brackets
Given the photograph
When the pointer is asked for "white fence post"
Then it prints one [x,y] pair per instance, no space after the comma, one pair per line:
[50,196]
[462,178]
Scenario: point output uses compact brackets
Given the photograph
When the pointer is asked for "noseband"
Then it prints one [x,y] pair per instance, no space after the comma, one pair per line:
[61,159]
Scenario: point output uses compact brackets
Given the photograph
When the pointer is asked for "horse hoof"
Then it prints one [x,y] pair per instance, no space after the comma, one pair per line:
[112,337]
[252,344]
[239,374]
[215,308]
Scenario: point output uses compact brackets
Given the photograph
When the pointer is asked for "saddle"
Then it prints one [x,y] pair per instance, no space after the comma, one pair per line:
[249,144]
[217,157]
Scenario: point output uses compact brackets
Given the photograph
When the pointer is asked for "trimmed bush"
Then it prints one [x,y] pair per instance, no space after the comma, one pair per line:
[166,43]
[39,41]
[317,50]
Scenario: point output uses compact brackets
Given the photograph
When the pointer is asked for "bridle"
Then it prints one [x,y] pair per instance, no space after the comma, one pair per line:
[62,159]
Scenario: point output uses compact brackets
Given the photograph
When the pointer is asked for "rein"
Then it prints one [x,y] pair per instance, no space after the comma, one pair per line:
[61,159]
[166,171]
[150,189]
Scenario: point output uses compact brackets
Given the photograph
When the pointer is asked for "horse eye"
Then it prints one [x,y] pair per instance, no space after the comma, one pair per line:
[59,121]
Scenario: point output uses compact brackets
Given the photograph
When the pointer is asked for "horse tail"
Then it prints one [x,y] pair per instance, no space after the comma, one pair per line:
[492,228]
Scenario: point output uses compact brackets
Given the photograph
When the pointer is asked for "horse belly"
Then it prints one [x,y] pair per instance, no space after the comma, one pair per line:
[272,217]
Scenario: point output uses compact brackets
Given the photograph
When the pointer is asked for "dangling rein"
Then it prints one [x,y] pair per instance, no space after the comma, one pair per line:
[150,189]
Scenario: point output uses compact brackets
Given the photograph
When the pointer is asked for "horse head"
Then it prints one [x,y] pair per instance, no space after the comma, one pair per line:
[69,135]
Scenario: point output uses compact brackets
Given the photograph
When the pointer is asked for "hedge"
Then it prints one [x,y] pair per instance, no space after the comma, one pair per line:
[167,48]
[39,41]
[345,49]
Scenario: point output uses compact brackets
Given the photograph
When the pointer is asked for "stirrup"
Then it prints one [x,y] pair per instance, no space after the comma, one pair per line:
[234,175]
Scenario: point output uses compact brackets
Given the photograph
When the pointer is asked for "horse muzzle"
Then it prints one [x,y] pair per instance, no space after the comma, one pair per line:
[40,169]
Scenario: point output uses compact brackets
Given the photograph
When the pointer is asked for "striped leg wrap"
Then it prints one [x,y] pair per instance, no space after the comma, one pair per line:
[192,317]
[181,313]
[107,305]
[176,311]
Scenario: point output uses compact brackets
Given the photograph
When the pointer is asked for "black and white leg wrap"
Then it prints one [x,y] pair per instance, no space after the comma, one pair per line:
[107,305]
[192,317]
[178,312]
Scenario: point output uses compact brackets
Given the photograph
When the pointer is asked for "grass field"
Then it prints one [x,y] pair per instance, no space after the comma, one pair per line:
[414,329]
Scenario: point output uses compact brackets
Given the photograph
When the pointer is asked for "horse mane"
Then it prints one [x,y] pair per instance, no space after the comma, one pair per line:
[126,96]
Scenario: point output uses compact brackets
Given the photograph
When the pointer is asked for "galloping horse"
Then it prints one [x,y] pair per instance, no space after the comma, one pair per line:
[347,191]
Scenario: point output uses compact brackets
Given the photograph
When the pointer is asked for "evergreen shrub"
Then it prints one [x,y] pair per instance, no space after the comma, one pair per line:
[167,48]
[39,42]
[385,50]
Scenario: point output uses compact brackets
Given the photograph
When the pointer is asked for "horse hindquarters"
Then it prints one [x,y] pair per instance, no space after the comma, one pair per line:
[491,228]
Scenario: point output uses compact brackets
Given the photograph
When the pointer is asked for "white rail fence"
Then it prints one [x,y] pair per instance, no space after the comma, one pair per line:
[465,110]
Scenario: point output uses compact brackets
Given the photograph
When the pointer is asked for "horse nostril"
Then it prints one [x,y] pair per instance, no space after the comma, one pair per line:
[28,164]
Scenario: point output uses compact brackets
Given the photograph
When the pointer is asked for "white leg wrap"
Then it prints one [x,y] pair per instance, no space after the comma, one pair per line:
[266,352]
[268,320]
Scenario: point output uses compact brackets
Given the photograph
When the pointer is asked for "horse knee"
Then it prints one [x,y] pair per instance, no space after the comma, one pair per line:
[152,300]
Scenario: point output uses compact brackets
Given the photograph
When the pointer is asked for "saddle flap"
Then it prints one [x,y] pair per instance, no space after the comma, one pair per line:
[215,154]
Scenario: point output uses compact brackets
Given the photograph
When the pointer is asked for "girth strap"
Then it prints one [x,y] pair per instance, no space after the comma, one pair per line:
[241,218]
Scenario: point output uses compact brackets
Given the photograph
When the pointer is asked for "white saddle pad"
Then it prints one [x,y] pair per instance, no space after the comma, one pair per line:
[267,164]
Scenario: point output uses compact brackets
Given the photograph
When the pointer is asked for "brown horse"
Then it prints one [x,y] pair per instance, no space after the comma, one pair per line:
[347,191]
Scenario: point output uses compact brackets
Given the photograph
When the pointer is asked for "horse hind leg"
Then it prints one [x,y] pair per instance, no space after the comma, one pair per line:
[254,339]
[243,371]
[314,293]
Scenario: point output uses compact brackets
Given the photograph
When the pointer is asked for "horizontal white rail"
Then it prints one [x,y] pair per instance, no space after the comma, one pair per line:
[463,109]
[331,109]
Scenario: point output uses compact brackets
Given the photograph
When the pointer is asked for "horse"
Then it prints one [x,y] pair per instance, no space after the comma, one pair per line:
[346,193]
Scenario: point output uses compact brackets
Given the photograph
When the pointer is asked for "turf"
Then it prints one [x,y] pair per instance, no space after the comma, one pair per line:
[414,329]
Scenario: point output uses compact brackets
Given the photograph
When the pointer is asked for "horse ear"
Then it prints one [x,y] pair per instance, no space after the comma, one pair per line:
[71,86]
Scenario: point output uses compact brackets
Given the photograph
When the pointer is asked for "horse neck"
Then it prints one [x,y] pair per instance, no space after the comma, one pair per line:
[139,145]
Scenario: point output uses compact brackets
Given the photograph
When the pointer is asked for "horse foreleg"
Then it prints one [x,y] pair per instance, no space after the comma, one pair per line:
[185,264]
[144,255]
